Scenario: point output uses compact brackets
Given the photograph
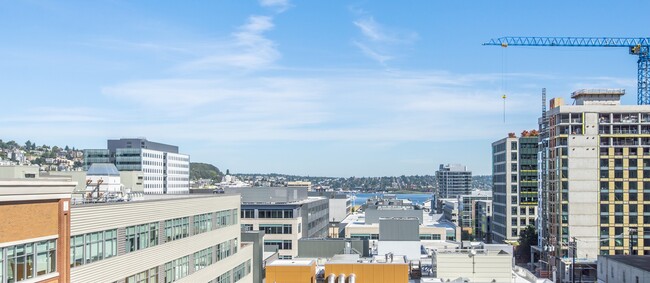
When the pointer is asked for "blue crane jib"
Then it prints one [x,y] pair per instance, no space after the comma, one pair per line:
[639,46]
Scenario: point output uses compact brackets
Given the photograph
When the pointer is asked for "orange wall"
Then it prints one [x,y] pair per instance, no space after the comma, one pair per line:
[371,272]
[291,274]
[22,220]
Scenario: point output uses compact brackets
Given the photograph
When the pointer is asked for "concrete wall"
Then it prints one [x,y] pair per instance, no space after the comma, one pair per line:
[257,239]
[373,215]
[479,268]
[399,229]
[584,187]
[269,194]
[327,248]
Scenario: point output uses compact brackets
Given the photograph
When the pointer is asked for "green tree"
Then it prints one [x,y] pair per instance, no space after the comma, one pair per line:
[527,238]
[28,145]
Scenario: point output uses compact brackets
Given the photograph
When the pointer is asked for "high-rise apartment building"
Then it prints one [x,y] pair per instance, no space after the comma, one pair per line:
[453,180]
[514,185]
[598,189]
[164,169]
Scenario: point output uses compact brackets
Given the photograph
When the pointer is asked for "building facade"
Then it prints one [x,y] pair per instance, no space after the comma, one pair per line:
[514,178]
[35,230]
[284,214]
[164,169]
[453,180]
[168,239]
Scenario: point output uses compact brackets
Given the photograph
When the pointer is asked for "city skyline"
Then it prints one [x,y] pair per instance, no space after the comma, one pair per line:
[321,89]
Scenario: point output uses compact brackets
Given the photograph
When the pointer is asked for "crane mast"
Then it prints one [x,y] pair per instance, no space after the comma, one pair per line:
[639,46]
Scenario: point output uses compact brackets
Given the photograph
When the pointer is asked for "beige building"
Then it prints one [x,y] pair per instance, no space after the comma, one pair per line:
[480,264]
[194,238]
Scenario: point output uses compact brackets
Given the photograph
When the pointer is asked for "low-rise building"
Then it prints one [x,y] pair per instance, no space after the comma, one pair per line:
[623,268]
[478,263]
[284,214]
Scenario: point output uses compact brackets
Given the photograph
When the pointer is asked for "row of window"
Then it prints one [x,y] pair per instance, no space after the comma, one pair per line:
[276,228]
[141,236]
[234,275]
[365,236]
[147,276]
[91,247]
[281,244]
[430,237]
[26,261]
[179,268]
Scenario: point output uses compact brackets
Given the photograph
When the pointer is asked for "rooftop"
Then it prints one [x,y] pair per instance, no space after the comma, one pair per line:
[292,262]
[638,261]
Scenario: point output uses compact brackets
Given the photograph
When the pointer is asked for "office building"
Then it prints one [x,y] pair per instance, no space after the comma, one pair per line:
[598,170]
[366,225]
[164,169]
[453,180]
[186,239]
[483,215]
[514,178]
[284,214]
[35,230]
[340,206]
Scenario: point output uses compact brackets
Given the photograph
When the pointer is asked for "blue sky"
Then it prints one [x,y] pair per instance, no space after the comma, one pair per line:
[320,88]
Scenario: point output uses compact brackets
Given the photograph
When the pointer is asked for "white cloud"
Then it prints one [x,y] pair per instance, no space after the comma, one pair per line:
[372,53]
[279,5]
[379,42]
[378,33]
[248,49]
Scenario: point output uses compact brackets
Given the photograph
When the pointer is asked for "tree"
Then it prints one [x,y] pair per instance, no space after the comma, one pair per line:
[527,238]
[28,145]
[227,171]
[67,148]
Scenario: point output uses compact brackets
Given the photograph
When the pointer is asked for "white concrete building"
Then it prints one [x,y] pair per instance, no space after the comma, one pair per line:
[164,169]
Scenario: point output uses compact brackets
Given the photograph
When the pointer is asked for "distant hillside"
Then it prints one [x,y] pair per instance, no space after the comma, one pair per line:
[204,171]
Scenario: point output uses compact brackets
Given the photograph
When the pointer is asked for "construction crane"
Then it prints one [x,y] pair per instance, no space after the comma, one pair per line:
[637,46]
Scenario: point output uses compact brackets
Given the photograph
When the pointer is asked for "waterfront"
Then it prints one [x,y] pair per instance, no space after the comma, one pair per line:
[361,198]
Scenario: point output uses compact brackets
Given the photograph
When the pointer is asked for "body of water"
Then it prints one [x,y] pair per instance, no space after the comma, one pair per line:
[415,198]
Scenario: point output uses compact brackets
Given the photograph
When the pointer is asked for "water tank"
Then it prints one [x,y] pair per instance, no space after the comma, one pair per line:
[352,278]
[341,278]
[331,278]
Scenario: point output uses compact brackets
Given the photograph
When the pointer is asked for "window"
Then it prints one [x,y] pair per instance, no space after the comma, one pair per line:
[29,260]
[247,227]
[247,213]
[176,269]
[147,276]
[224,278]
[226,249]
[240,271]
[202,258]
[202,223]
[276,228]
[281,244]
[177,228]
[141,236]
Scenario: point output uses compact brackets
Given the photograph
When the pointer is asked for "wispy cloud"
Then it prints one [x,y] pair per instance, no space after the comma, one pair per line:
[279,5]
[375,32]
[381,58]
[379,42]
[249,49]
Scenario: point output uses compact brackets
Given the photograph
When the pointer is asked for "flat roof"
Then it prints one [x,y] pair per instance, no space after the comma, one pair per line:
[292,262]
[151,198]
[638,261]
